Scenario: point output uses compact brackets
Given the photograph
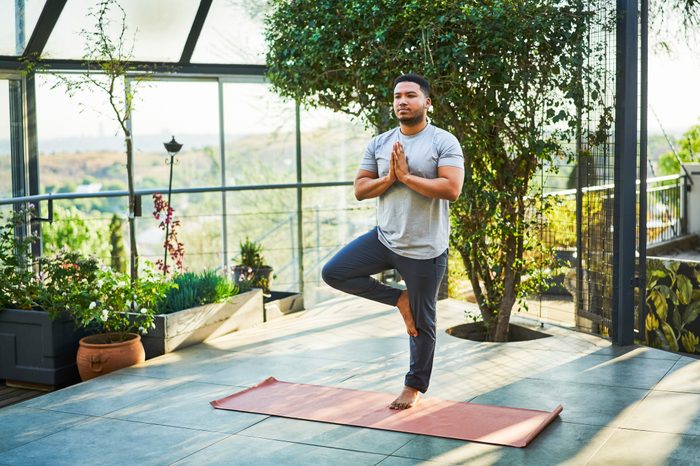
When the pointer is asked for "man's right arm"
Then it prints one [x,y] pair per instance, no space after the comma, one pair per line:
[368,184]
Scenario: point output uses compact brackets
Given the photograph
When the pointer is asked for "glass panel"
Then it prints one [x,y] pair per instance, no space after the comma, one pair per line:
[200,231]
[80,144]
[157,29]
[5,169]
[332,218]
[12,43]
[332,145]
[269,218]
[190,112]
[260,135]
[220,42]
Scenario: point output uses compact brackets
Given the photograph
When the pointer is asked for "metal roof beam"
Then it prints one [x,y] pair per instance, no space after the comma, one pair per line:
[44,25]
[14,64]
[195,31]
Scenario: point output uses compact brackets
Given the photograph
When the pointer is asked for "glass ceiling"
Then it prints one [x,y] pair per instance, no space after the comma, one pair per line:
[12,43]
[232,32]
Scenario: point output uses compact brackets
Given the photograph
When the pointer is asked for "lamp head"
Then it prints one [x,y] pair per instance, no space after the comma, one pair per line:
[172,147]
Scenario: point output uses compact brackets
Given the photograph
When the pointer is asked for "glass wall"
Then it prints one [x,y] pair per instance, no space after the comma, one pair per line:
[260,134]
[5,169]
[187,110]
[332,145]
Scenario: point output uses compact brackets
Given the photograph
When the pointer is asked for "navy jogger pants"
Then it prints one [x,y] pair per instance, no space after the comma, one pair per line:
[350,271]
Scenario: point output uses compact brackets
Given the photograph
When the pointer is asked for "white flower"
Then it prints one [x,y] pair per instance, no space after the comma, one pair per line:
[128,303]
[142,330]
[121,284]
[144,310]
[93,305]
[99,283]
[105,315]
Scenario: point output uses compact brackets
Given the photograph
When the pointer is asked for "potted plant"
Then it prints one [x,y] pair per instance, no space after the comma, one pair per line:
[117,343]
[48,306]
[251,270]
[199,307]
[35,349]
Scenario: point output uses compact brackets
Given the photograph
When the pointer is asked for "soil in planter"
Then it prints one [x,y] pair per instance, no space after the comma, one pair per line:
[476,331]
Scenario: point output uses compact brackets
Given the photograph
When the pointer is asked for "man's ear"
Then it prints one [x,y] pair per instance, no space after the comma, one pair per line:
[428,102]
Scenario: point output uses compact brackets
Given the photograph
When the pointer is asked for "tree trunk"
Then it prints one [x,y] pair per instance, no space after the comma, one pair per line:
[509,294]
[133,254]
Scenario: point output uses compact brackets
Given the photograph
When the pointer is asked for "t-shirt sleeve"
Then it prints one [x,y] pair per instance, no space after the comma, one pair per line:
[449,151]
[369,162]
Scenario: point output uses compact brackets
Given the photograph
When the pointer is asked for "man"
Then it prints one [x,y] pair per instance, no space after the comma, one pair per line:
[414,171]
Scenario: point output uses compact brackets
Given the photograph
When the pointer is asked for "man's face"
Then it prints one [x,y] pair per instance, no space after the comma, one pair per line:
[410,104]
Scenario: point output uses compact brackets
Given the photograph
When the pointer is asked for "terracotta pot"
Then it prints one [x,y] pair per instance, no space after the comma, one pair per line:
[97,356]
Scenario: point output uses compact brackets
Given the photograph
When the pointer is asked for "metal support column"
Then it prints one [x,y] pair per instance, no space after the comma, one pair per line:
[644,63]
[625,211]
[222,152]
[300,218]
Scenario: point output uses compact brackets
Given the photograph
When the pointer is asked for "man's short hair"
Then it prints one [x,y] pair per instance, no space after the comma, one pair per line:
[415,78]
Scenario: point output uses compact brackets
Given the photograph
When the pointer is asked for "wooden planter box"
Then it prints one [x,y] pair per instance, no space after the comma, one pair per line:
[37,350]
[280,303]
[198,324]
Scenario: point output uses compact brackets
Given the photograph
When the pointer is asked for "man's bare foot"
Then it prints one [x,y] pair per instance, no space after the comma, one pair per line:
[407,398]
[405,310]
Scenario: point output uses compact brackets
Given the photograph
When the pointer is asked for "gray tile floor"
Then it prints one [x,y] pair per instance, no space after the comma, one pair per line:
[631,405]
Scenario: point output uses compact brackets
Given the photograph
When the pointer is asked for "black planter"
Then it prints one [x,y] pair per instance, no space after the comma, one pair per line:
[258,273]
[35,349]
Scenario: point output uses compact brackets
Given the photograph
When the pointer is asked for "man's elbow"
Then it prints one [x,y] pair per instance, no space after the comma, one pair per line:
[454,195]
[358,194]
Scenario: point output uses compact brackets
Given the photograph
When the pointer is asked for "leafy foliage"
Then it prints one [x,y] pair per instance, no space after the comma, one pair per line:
[17,284]
[688,151]
[673,298]
[196,289]
[72,230]
[507,80]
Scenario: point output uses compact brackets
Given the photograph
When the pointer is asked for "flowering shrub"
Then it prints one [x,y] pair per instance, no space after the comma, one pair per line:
[175,249]
[73,285]
[119,306]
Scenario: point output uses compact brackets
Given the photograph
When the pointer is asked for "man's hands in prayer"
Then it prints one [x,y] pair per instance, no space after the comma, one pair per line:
[399,163]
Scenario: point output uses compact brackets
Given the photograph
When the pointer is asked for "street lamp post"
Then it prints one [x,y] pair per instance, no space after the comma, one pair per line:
[172,148]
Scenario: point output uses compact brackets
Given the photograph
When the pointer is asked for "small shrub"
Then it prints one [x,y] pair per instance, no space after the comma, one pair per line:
[196,289]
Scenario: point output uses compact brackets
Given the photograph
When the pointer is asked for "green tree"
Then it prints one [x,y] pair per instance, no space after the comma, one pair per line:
[107,56]
[506,78]
[688,151]
[116,245]
[72,229]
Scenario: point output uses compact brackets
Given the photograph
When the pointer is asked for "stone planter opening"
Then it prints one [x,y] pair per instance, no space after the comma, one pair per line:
[476,331]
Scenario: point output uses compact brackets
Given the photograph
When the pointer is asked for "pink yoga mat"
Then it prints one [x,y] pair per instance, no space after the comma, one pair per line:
[441,418]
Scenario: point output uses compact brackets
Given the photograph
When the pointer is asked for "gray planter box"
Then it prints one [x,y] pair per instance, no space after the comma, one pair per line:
[37,350]
[281,303]
[199,324]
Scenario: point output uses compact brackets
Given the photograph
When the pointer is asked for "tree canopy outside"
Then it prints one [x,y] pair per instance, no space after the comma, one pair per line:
[507,82]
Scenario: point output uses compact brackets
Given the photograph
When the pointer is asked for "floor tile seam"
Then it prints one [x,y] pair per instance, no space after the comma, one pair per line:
[65,428]
[413,437]
[602,444]
[136,421]
[647,389]
[632,429]
[243,434]
[666,390]
[202,449]
[666,374]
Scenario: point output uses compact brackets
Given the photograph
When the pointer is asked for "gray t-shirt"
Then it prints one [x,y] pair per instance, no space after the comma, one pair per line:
[410,224]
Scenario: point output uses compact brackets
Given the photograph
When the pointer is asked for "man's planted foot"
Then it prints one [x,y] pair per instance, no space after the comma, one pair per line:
[405,309]
[407,399]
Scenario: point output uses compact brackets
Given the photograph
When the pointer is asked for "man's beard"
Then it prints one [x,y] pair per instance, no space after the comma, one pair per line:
[412,120]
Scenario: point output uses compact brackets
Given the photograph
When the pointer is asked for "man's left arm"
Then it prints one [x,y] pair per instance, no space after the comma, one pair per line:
[447,185]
